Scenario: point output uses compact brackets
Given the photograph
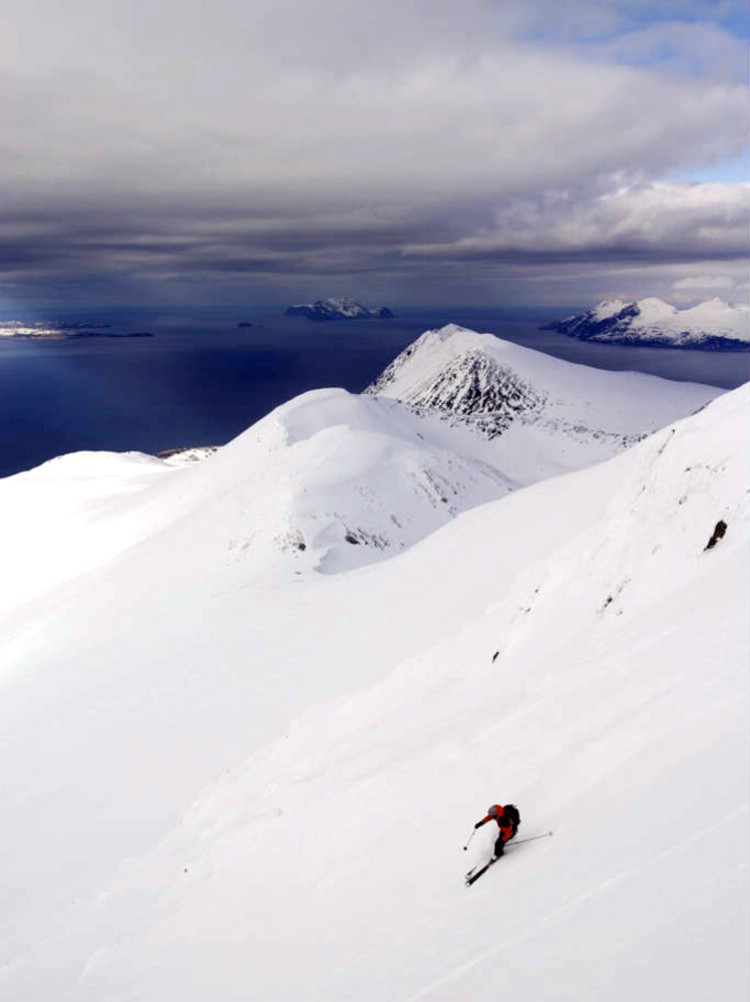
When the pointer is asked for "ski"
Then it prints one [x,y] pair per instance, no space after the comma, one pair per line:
[475,874]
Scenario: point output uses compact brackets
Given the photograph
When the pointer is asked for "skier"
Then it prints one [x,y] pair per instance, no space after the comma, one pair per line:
[508,819]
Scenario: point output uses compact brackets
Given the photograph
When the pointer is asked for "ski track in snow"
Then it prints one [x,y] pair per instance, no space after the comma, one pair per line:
[636,870]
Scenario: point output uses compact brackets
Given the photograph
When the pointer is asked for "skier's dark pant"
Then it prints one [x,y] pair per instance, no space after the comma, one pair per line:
[502,841]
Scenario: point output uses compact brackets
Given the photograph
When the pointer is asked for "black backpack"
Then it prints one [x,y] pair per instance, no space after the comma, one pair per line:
[511,813]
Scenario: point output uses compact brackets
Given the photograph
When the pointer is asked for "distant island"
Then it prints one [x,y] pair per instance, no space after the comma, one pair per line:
[337,309]
[52,330]
[713,325]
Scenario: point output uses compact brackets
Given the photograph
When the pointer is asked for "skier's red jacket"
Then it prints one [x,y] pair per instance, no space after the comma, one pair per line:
[507,829]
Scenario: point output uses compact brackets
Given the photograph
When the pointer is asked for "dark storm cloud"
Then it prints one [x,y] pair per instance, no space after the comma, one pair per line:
[269,145]
[271,253]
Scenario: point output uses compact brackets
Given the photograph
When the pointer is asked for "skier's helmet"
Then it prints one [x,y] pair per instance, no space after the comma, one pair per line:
[492,811]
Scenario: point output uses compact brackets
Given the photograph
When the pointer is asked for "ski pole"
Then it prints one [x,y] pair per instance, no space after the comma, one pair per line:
[530,838]
[470,838]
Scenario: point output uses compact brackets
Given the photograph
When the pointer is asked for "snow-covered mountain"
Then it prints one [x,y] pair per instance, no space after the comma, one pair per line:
[713,324]
[337,309]
[543,415]
[228,775]
[334,480]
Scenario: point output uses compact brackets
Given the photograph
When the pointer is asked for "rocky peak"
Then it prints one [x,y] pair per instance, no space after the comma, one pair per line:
[469,385]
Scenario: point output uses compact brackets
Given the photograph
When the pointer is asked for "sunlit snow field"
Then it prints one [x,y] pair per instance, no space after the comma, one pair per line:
[253,706]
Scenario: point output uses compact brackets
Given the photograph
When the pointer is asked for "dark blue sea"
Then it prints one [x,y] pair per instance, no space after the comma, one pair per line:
[201,379]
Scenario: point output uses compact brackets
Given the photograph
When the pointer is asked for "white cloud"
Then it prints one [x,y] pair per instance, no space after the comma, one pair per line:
[701,282]
[307,99]
[671,221]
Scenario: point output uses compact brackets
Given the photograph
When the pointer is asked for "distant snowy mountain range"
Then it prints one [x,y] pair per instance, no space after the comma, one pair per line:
[337,309]
[252,695]
[712,325]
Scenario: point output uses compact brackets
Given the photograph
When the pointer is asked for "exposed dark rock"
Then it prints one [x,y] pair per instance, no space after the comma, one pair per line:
[473,388]
[719,532]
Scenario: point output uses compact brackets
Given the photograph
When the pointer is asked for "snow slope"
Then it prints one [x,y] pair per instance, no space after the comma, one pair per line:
[713,324]
[338,847]
[229,776]
[331,478]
